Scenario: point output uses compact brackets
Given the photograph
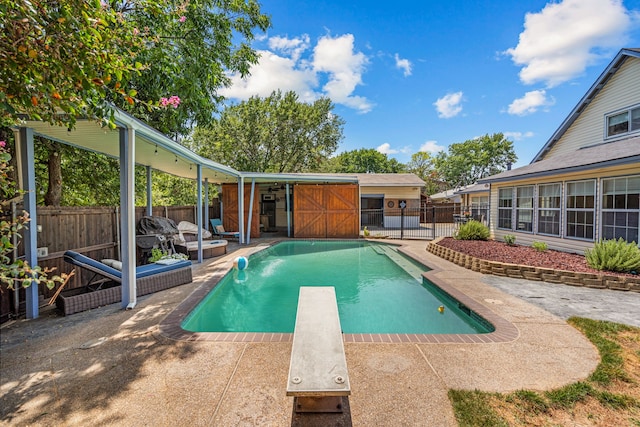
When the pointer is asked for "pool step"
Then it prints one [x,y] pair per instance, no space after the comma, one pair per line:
[408,266]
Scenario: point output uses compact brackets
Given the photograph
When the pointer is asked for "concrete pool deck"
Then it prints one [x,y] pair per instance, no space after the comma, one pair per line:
[113,367]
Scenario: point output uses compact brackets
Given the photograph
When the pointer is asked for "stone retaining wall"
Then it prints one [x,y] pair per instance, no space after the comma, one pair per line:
[590,280]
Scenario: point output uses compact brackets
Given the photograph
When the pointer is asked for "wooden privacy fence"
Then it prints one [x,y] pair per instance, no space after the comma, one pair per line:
[92,231]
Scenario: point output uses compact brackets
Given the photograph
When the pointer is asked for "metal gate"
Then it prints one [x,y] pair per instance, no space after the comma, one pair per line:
[426,222]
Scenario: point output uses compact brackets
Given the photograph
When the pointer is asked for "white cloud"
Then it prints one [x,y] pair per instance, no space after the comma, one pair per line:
[285,67]
[561,40]
[273,72]
[517,136]
[336,56]
[431,147]
[386,149]
[291,47]
[403,64]
[530,103]
[449,105]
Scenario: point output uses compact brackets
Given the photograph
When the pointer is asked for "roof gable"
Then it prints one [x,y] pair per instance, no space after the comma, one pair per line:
[587,99]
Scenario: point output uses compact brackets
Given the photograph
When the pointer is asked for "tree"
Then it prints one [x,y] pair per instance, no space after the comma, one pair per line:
[467,162]
[161,61]
[64,56]
[364,160]
[274,134]
[422,164]
[191,50]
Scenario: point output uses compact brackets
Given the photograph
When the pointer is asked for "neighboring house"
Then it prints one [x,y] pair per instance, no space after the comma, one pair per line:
[388,191]
[475,200]
[584,184]
[447,196]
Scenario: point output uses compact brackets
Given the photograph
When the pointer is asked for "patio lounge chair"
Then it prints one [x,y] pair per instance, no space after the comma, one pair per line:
[150,278]
[218,230]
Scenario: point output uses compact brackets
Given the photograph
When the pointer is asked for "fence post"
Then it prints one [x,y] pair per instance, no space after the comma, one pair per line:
[401,223]
[433,220]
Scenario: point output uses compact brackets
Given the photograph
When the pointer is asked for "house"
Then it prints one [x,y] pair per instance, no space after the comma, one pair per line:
[584,184]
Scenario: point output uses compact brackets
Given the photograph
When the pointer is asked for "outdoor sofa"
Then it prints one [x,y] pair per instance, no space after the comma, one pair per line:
[150,278]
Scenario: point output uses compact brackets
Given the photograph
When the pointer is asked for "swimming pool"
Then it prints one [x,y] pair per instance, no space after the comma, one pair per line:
[379,290]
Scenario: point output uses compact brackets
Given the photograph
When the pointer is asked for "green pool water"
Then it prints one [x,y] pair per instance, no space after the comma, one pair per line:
[379,290]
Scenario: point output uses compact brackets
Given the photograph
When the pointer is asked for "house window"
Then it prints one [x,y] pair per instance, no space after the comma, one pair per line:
[479,207]
[621,208]
[580,209]
[524,208]
[505,206]
[623,122]
[549,209]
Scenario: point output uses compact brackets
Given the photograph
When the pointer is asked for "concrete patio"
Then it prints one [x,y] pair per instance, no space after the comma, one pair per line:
[113,367]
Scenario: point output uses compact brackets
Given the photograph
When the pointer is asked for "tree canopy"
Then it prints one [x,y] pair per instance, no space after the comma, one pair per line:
[273,134]
[364,160]
[423,165]
[466,162]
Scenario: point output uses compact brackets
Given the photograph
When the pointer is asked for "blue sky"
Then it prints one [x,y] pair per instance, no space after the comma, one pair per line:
[411,76]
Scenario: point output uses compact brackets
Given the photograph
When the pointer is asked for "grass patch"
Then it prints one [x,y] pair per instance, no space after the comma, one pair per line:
[611,394]
[472,408]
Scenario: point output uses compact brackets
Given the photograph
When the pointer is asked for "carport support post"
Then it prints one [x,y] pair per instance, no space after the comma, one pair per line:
[128,217]
[149,192]
[199,210]
[288,203]
[205,204]
[25,154]
[241,209]
[253,189]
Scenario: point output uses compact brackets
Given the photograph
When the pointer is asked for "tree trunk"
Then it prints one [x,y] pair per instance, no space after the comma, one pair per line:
[54,166]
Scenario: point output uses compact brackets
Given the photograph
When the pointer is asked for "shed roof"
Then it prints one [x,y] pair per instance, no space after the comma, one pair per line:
[626,151]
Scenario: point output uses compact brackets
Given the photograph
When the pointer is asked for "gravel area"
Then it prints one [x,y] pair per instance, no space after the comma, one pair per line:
[492,250]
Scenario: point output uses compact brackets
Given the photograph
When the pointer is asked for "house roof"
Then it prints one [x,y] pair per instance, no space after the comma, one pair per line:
[611,69]
[389,180]
[626,151]
[475,188]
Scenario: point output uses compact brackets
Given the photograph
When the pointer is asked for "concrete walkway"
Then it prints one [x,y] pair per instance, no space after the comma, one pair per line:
[112,367]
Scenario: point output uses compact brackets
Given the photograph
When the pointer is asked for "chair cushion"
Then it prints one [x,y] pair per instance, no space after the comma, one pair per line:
[219,229]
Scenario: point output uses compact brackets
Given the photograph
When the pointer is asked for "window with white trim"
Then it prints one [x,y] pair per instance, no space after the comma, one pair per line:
[623,122]
[549,209]
[621,208]
[580,209]
[505,206]
[524,208]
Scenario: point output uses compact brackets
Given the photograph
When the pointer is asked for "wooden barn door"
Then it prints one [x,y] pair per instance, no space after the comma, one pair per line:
[230,208]
[308,211]
[342,210]
[322,211]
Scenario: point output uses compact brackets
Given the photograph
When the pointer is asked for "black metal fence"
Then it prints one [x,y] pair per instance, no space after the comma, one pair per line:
[426,222]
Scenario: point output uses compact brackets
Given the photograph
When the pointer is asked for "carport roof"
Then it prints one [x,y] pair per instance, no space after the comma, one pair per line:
[152,148]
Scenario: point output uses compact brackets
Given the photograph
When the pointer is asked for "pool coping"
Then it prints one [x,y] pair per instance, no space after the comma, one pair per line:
[505,331]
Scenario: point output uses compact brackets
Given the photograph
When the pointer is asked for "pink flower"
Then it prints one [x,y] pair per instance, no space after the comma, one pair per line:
[3,144]
[174,101]
[182,18]
[136,31]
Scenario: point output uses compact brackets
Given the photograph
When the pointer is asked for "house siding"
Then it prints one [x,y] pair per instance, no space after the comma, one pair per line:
[621,91]
[559,243]
[409,193]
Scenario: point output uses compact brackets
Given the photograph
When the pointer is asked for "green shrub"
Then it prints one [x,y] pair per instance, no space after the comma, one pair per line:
[614,255]
[539,246]
[510,239]
[472,230]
